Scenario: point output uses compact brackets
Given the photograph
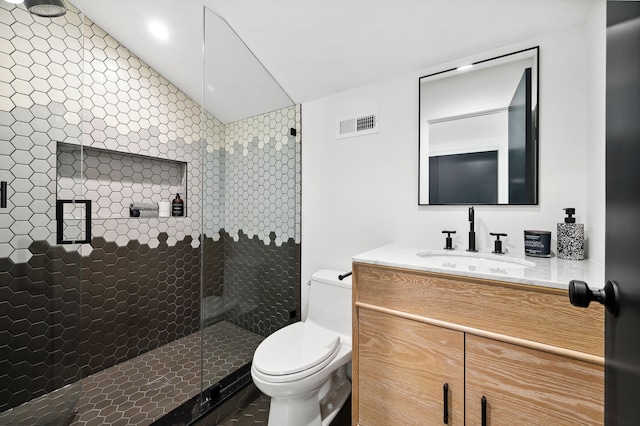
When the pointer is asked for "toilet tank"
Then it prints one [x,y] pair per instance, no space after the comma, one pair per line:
[330,301]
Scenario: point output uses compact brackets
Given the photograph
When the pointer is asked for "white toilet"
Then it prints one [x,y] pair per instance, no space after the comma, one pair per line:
[303,366]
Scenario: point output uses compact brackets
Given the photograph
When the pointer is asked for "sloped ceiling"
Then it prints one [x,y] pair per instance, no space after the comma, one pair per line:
[315,48]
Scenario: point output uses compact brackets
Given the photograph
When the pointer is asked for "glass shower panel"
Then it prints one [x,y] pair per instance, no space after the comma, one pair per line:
[40,258]
[251,187]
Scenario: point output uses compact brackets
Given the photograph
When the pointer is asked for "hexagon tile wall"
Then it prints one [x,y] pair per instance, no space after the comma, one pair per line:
[65,83]
[40,103]
[252,213]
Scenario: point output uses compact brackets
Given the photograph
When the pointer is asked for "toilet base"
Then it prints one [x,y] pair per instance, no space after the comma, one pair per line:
[313,409]
[299,411]
[332,402]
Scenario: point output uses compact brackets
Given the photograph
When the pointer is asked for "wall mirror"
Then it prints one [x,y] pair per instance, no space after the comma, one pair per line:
[478,132]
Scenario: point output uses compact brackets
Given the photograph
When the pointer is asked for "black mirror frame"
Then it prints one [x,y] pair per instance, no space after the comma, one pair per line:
[535,117]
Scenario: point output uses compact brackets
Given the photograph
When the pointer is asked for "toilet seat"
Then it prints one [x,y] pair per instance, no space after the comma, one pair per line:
[295,352]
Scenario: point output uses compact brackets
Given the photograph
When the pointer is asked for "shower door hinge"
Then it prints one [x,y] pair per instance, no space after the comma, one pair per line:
[205,403]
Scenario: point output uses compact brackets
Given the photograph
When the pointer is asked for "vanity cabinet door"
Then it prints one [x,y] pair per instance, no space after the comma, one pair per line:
[402,368]
[527,386]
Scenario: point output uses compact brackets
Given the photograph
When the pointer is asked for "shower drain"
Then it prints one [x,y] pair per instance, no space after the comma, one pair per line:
[159,383]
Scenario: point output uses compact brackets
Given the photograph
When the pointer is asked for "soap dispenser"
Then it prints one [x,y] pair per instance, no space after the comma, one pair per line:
[177,206]
[570,237]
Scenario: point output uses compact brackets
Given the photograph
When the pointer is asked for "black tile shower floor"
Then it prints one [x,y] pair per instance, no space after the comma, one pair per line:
[143,389]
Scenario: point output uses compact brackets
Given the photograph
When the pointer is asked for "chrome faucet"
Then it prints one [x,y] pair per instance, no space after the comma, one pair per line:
[472,231]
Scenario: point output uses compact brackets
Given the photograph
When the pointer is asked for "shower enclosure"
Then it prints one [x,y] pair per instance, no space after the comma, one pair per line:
[108,316]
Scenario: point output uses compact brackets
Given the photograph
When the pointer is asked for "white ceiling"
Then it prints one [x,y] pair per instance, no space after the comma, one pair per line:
[315,48]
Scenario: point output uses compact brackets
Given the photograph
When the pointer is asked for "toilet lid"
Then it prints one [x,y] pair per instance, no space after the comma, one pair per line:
[295,348]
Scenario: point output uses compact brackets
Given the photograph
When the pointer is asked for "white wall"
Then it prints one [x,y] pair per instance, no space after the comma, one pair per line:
[595,43]
[361,193]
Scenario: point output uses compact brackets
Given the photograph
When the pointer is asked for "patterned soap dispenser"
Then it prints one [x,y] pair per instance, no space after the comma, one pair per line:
[570,237]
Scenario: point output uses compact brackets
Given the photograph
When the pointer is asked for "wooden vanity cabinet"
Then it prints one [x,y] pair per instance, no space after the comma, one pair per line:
[524,386]
[405,368]
[523,348]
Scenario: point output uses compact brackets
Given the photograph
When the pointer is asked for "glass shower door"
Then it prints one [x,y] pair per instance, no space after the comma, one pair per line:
[251,183]
[42,223]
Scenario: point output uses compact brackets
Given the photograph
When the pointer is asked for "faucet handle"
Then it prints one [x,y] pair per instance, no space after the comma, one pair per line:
[497,248]
[449,240]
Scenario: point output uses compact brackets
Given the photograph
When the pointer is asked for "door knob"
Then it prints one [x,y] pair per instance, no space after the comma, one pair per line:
[581,295]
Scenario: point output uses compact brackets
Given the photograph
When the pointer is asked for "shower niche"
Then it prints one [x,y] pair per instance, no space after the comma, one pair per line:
[113,179]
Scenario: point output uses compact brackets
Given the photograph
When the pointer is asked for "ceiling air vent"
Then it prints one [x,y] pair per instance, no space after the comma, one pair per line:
[364,124]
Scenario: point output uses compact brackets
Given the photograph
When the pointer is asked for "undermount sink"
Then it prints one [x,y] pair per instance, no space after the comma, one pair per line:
[471,260]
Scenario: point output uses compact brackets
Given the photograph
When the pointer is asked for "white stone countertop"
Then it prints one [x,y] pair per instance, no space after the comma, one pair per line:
[546,272]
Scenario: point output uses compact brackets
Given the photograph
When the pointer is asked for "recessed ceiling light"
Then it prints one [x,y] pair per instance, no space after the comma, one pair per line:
[14,1]
[159,30]
[464,67]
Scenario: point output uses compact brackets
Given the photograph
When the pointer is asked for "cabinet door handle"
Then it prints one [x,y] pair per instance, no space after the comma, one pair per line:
[445,390]
[483,403]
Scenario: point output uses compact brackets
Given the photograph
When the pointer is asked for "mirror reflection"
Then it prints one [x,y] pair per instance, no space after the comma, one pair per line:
[478,132]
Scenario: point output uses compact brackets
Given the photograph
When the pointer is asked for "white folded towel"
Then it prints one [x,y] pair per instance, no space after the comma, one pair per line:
[148,213]
[143,206]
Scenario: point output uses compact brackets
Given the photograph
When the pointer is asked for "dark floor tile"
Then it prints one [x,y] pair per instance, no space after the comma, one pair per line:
[256,413]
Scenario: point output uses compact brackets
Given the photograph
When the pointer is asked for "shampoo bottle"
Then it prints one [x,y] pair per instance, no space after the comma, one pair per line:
[177,206]
[570,237]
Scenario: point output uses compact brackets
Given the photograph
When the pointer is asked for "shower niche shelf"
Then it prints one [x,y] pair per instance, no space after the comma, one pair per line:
[112,180]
